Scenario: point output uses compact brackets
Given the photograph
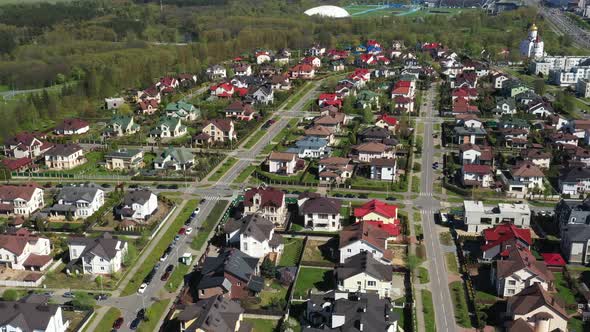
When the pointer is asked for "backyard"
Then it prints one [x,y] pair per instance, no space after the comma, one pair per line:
[313,278]
[322,252]
[291,251]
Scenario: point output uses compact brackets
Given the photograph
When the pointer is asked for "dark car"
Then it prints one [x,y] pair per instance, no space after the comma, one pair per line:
[135,323]
[349,196]
[169,268]
[141,313]
[165,276]
[101,297]
[202,201]
[363,196]
[118,323]
[188,222]
[69,295]
[391,198]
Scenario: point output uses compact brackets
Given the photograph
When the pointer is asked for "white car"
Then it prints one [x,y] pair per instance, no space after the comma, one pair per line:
[197,210]
[142,288]
[188,230]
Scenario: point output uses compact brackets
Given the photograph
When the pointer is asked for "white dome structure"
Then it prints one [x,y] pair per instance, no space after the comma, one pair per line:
[327,11]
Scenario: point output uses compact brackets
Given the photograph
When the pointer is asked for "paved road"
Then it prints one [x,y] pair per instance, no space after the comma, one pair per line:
[443,307]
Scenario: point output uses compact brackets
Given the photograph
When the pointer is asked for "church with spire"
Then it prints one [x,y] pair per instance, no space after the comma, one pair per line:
[532,47]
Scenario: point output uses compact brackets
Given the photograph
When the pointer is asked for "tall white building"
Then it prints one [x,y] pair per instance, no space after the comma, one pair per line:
[532,46]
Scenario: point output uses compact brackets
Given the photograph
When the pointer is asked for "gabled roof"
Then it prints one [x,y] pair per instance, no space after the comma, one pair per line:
[78,193]
[477,169]
[364,263]
[282,156]
[222,124]
[231,261]
[369,233]
[212,314]
[12,192]
[63,150]
[376,206]
[16,243]
[27,316]
[532,298]
[520,258]
[390,120]
[505,232]
[527,169]
[371,147]
[574,174]
[72,124]
[268,197]
[105,246]
[139,196]
[336,161]
[321,205]
[254,225]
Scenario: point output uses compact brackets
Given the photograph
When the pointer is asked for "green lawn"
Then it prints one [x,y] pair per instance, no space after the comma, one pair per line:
[151,259]
[254,138]
[452,264]
[153,315]
[460,303]
[275,292]
[293,99]
[292,251]
[176,278]
[423,275]
[310,277]
[245,174]
[106,324]
[263,325]
[564,292]
[446,238]
[227,164]
[208,225]
[428,311]
[415,184]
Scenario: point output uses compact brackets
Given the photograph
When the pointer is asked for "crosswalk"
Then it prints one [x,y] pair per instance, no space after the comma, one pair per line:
[211,197]
[426,194]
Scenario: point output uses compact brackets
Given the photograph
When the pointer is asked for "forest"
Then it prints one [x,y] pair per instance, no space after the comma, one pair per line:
[99,48]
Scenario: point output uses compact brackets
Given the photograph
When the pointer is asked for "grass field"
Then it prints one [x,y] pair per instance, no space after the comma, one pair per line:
[452,264]
[245,174]
[208,225]
[291,252]
[310,277]
[428,311]
[153,314]
[148,263]
[176,278]
[263,324]
[106,323]
[423,275]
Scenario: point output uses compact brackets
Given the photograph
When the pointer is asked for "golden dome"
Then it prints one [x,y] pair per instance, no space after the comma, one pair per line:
[533,27]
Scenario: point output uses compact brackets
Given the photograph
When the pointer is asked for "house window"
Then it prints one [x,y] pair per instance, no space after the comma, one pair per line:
[359,283]
[511,282]
[348,250]
[202,292]
[102,268]
[510,291]
[239,283]
[372,283]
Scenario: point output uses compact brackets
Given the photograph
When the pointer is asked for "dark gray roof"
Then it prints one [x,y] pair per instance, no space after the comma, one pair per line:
[574,174]
[104,246]
[28,317]
[231,261]
[140,196]
[577,232]
[321,205]
[375,132]
[63,150]
[364,263]
[212,314]
[123,153]
[76,193]
[253,225]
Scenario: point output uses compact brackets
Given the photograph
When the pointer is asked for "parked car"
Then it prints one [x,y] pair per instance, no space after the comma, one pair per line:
[141,313]
[118,323]
[69,295]
[188,222]
[197,210]
[188,230]
[142,288]
[169,268]
[135,323]
[181,231]
[363,196]
[165,276]
[390,198]
[164,257]
[101,297]
[202,201]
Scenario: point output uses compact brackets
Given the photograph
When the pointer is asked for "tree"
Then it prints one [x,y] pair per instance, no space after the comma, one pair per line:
[10,295]
[268,269]
[83,300]
[413,262]
[539,86]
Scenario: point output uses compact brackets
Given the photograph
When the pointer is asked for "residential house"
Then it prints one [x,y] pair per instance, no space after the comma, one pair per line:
[19,165]
[313,61]
[269,202]
[169,127]
[320,132]
[20,200]
[502,237]
[64,157]
[113,103]
[384,169]
[264,95]
[148,106]
[329,99]
[302,71]
[242,69]
[137,205]
[499,80]
[574,181]
[121,126]
[216,72]
[262,57]
[475,154]
[320,213]
[72,127]
[375,134]
[376,210]
[335,169]
[474,175]
[366,152]
[76,202]
[124,159]
[222,90]
[280,83]
[254,235]
[540,109]
[217,131]
[367,98]
[571,211]
[583,88]
[538,157]
[535,310]
[343,311]
[333,121]
[282,163]
[232,274]
[364,274]
[519,269]
[575,243]
[387,122]
[21,250]
[465,135]
[528,174]
[367,236]
[32,316]
[512,88]
[505,106]
[310,147]
[100,255]
[176,159]
[241,111]
[478,217]
[182,110]
[212,314]
[25,145]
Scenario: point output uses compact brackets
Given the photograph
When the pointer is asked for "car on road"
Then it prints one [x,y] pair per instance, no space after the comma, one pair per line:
[164,257]
[181,231]
[188,222]
[142,288]
[69,295]
[165,276]
[101,297]
[349,196]
[169,268]
[141,313]
[48,293]
[202,201]
[390,198]
[118,323]
[135,323]
[188,230]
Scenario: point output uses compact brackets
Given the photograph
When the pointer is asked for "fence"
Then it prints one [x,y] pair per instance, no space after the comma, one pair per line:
[22,283]
[84,320]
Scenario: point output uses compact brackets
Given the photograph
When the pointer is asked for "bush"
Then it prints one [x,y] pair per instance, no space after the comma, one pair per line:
[83,300]
[10,295]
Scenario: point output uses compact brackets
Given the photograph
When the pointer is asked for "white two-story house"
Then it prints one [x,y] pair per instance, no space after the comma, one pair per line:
[20,200]
[23,251]
[77,202]
[269,202]
[101,255]
[64,156]
[363,273]
[518,271]
[320,213]
[138,205]
[254,235]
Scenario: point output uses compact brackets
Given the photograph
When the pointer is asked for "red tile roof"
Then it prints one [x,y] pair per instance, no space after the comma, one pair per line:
[390,120]
[268,197]
[381,208]
[553,259]
[477,169]
[505,232]
[16,164]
